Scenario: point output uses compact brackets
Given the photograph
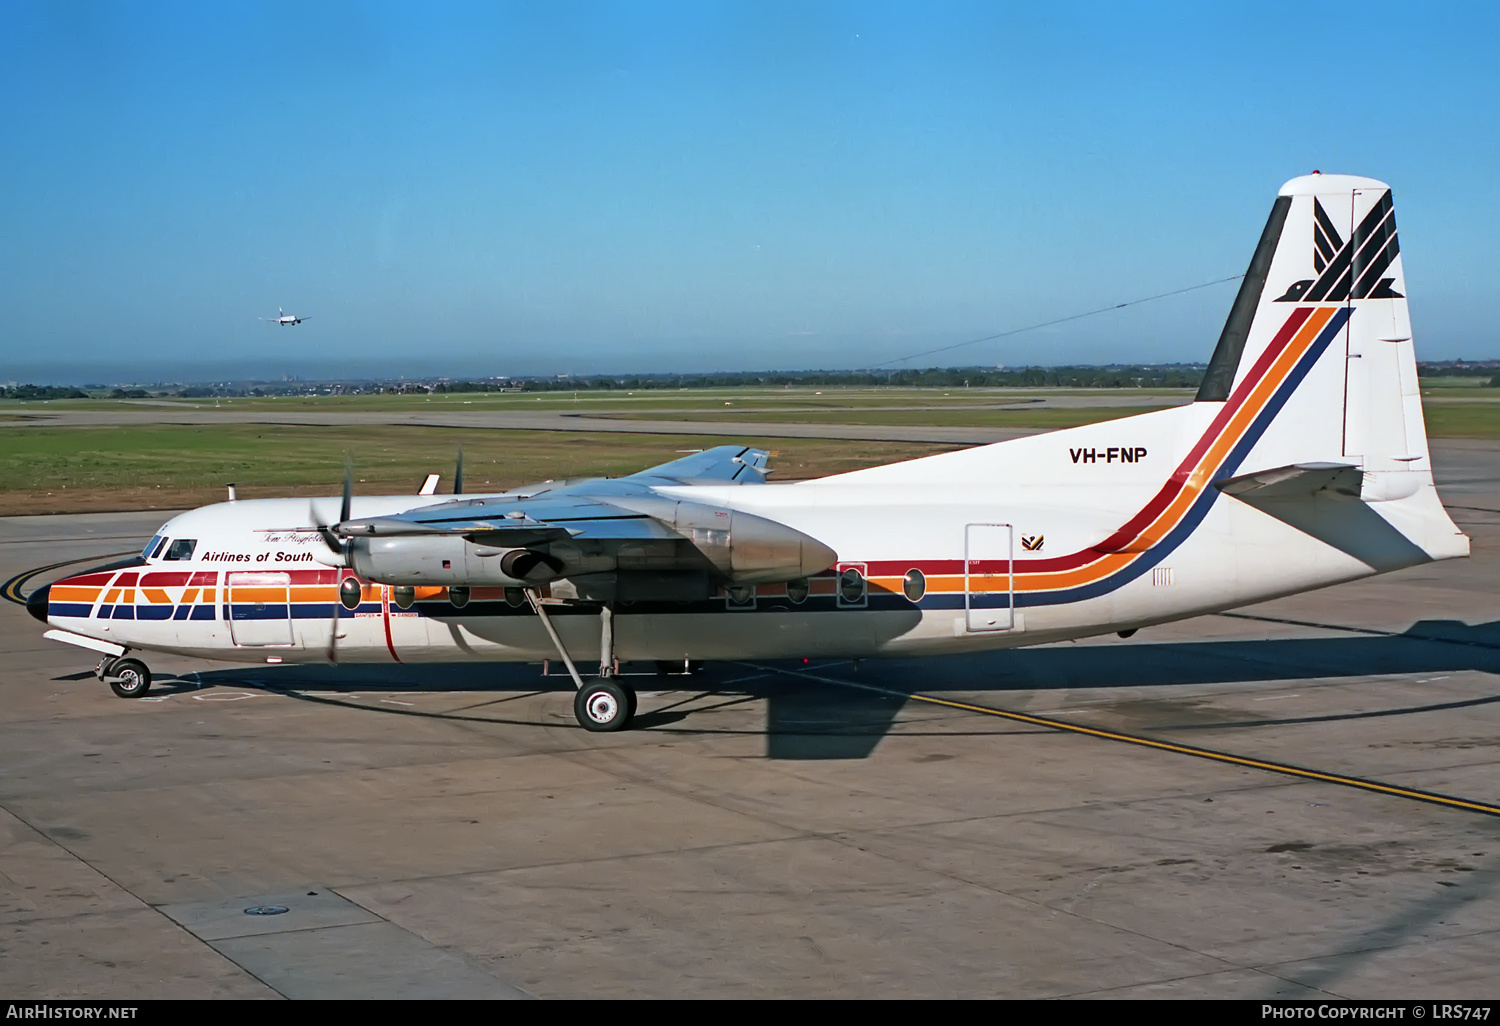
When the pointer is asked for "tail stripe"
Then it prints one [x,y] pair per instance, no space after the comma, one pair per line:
[1166,521]
[1224,457]
[1127,538]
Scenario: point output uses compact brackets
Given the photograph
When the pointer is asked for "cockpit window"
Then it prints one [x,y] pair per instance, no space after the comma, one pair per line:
[153,547]
[182,548]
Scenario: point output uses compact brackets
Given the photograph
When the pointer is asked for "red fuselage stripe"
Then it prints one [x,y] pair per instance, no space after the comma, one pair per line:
[385,614]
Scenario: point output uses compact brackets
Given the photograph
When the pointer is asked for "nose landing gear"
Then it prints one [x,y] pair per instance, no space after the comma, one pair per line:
[127,678]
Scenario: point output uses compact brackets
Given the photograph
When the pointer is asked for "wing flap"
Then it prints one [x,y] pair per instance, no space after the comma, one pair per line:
[723,464]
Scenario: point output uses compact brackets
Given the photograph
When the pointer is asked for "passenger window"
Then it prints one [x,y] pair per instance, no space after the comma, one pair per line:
[852,586]
[182,548]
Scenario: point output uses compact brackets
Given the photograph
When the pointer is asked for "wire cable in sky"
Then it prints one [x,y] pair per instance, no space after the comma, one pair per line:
[1060,320]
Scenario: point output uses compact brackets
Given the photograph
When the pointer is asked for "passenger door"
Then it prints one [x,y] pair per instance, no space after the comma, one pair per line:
[989,578]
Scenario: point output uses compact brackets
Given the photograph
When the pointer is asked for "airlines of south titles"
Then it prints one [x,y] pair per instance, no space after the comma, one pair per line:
[259,557]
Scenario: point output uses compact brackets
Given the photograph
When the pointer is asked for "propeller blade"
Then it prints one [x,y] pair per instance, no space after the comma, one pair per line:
[348,488]
[458,473]
[333,632]
[325,531]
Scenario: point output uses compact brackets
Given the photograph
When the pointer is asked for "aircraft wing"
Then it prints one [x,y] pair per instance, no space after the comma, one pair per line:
[597,508]
[504,521]
[723,464]
[592,527]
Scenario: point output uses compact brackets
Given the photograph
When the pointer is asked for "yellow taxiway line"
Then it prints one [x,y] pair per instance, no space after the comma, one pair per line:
[1287,769]
[11,589]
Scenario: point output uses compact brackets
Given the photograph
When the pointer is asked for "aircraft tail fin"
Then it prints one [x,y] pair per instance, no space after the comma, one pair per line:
[1318,349]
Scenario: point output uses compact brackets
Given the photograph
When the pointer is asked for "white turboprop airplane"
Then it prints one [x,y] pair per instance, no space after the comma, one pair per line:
[1302,463]
[284,319]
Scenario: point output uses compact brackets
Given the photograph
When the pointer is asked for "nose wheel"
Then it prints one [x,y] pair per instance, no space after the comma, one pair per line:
[604,705]
[127,678]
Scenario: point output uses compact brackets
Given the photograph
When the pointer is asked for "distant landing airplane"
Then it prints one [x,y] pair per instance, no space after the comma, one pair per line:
[284,318]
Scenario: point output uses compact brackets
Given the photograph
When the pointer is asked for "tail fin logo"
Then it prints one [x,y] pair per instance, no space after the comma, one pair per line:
[1350,269]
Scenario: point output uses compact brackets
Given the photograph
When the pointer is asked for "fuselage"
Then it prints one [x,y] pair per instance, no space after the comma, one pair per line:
[1039,539]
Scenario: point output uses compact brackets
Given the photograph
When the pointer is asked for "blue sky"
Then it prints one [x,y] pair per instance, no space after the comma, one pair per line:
[499,188]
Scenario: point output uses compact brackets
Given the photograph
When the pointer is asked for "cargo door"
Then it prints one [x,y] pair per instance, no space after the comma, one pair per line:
[260,609]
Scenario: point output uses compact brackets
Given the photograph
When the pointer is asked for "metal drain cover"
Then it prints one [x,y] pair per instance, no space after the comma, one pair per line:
[266,910]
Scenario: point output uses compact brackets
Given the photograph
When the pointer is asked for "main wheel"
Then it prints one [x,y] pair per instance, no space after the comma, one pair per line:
[604,705]
[129,678]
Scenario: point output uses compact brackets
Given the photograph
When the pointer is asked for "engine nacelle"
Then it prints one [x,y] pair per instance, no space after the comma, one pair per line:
[745,548]
[726,546]
[446,559]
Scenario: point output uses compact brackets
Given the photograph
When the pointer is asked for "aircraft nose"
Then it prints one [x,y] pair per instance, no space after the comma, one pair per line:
[36,602]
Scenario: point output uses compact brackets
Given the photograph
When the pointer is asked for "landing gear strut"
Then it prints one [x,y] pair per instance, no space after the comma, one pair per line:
[604,704]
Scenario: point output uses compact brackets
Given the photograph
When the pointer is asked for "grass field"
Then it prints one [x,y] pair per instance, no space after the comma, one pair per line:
[55,470]
[78,469]
[1461,419]
[1046,419]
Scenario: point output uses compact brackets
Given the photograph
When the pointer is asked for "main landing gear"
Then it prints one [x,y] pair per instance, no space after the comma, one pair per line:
[127,678]
[604,704]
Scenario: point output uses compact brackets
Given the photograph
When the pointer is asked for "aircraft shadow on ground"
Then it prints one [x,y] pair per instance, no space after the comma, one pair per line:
[808,718]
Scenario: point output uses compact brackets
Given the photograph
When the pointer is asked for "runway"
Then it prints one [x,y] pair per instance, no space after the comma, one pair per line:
[774,424]
[786,830]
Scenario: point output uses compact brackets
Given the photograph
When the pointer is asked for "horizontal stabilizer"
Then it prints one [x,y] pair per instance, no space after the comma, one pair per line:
[1298,481]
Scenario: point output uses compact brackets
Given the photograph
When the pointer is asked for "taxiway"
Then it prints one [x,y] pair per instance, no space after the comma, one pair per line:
[776,830]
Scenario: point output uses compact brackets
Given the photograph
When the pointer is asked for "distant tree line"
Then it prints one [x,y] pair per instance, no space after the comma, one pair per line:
[1074,376]
[1122,376]
[42,392]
